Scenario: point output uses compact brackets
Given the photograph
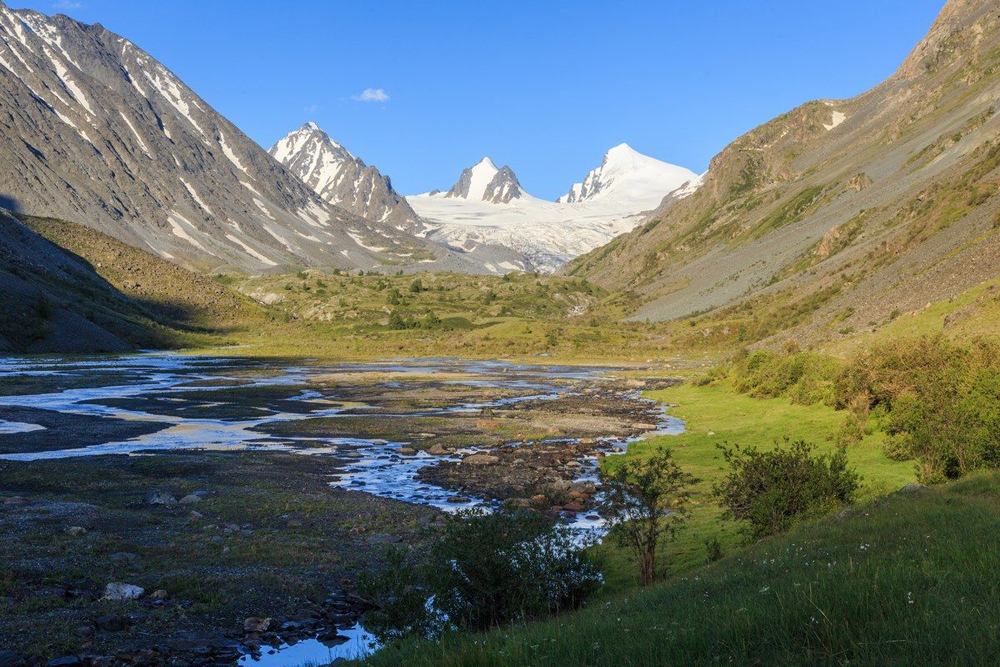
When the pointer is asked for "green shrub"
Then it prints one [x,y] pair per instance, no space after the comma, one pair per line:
[803,377]
[484,570]
[769,490]
[940,402]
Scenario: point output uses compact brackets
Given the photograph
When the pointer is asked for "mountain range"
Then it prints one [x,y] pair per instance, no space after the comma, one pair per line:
[488,206]
[99,132]
[841,212]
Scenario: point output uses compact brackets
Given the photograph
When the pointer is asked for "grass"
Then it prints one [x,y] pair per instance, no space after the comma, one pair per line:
[519,316]
[896,582]
[715,415]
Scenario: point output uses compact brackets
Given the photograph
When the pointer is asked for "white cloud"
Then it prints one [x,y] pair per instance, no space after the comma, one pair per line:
[311,108]
[372,95]
[67,4]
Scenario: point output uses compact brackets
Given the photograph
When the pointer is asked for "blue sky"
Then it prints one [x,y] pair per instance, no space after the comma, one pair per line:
[546,86]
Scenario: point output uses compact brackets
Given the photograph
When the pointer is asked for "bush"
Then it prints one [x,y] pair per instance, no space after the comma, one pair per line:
[937,400]
[769,490]
[484,570]
[803,377]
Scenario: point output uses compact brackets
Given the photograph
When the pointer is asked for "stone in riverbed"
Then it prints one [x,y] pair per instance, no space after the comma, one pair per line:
[438,450]
[118,592]
[480,459]
[256,624]
[68,661]
[406,451]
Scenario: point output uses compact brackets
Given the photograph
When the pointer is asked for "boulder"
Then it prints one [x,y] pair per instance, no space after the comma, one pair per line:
[438,450]
[256,624]
[118,592]
[406,451]
[480,459]
[161,498]
[76,531]
[190,499]
[67,661]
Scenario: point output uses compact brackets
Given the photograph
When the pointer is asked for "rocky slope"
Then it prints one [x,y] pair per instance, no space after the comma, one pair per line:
[344,180]
[839,214]
[487,205]
[97,131]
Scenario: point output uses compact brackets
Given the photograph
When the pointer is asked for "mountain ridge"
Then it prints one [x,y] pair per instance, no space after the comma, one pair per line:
[101,133]
[845,199]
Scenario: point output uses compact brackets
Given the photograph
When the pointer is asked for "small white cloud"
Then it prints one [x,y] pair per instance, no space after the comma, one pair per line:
[311,108]
[67,4]
[372,95]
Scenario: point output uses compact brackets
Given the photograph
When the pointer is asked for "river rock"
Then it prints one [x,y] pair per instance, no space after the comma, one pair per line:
[190,499]
[438,450]
[67,661]
[644,426]
[480,459]
[256,624]
[117,592]
[406,451]
[113,622]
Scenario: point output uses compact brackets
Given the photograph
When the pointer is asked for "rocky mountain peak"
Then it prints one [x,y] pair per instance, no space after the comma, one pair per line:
[484,181]
[343,179]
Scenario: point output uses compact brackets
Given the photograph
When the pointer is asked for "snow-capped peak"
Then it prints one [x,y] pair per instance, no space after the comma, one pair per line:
[485,182]
[318,157]
[626,174]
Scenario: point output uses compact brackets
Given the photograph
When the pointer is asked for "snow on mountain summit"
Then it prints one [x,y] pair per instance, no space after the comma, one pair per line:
[343,179]
[485,182]
[488,206]
[627,175]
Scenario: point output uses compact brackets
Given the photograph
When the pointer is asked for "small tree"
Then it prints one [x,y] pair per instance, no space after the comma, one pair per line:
[416,286]
[646,499]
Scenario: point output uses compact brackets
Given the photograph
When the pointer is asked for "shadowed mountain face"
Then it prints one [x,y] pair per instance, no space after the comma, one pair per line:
[881,202]
[67,288]
[97,131]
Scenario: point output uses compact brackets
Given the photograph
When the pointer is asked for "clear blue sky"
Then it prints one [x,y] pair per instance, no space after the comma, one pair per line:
[545,86]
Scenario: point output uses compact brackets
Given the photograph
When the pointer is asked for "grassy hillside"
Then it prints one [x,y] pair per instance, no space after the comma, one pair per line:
[899,581]
[523,316]
[715,415]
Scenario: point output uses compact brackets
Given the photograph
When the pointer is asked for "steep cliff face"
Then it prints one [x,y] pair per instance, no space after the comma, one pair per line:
[893,189]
